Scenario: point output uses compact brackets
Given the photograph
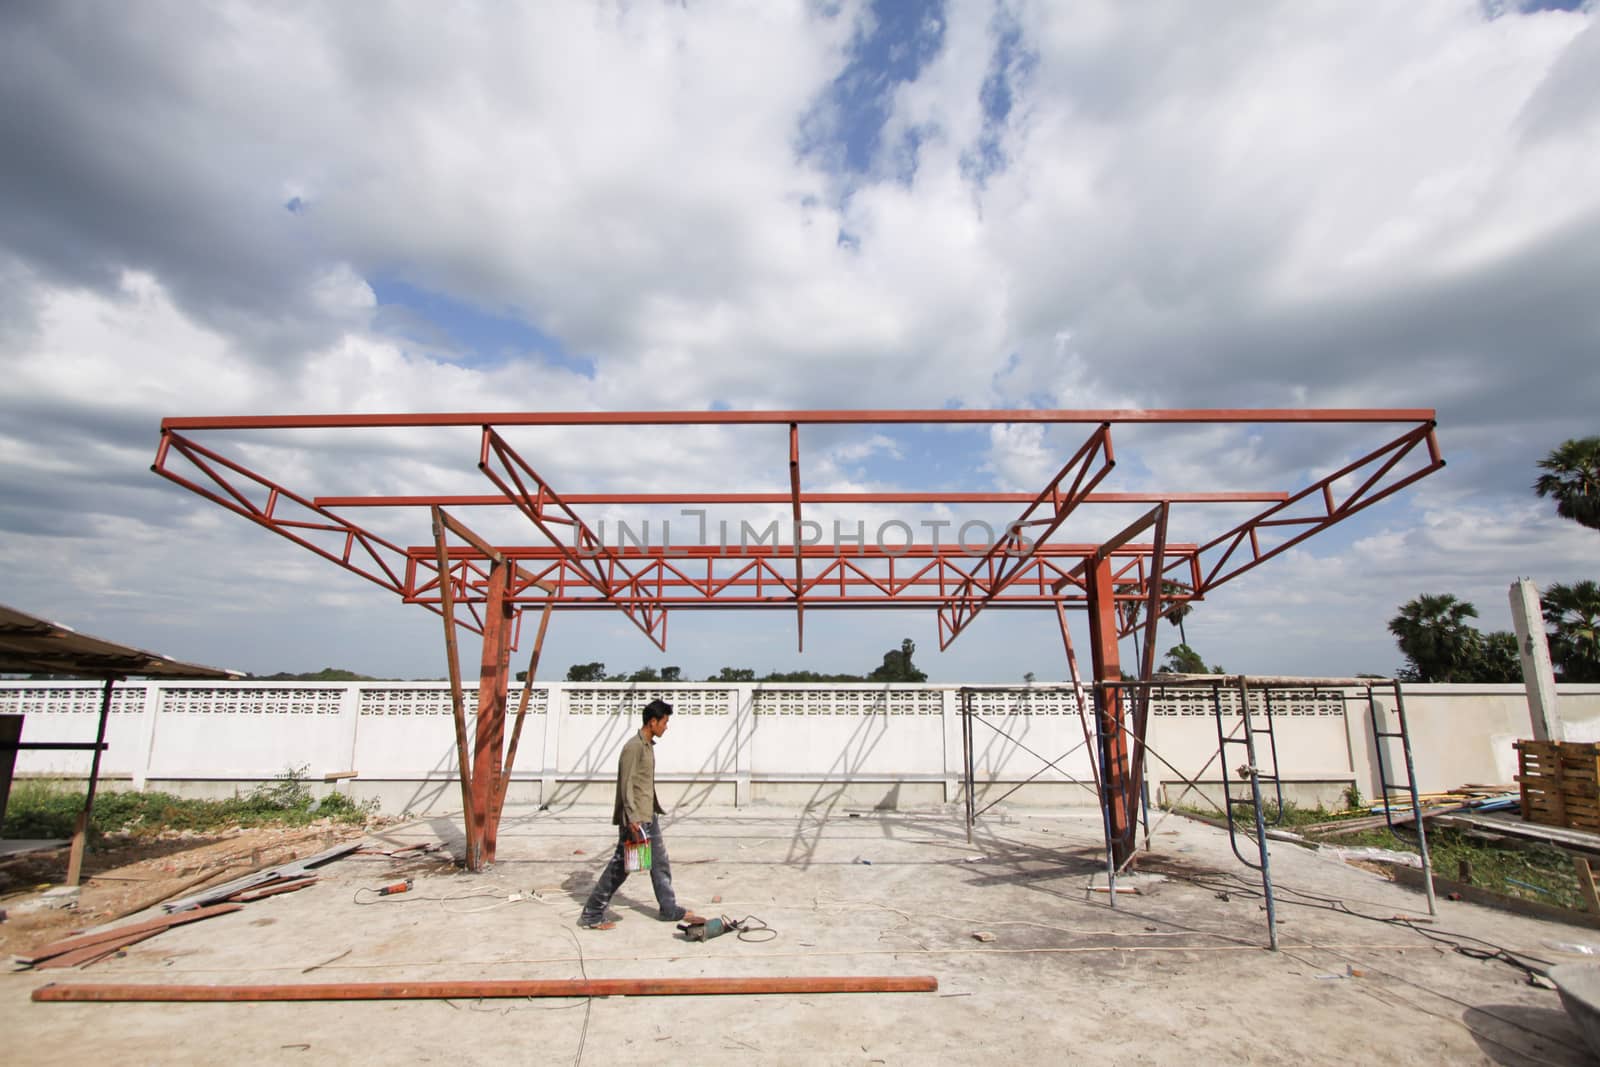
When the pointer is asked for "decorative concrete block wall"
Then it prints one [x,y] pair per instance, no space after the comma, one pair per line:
[854,745]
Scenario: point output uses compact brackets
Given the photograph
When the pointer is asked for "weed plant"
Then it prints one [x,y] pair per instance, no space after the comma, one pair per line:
[48,808]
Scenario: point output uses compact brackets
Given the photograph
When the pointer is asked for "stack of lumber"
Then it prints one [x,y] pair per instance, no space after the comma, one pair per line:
[96,945]
[1396,809]
[1560,783]
[84,949]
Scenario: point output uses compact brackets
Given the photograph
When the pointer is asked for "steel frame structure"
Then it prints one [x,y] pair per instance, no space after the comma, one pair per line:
[484,588]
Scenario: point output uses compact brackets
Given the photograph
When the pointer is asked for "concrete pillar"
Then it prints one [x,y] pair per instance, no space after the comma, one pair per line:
[1537,674]
[744,700]
[147,735]
[955,775]
[555,714]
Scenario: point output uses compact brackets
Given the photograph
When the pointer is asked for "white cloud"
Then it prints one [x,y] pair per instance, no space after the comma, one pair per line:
[1295,205]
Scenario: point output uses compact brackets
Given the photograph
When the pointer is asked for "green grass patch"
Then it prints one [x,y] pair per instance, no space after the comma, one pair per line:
[46,808]
[1533,871]
[1530,870]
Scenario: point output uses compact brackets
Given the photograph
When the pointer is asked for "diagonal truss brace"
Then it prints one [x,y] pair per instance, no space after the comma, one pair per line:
[1317,506]
[233,486]
[603,569]
[1006,559]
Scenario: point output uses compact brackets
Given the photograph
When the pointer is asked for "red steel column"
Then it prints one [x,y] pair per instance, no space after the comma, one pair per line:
[1109,706]
[491,728]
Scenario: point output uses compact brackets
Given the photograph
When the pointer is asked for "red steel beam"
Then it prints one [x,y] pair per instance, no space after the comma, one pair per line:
[799,559]
[1120,803]
[1003,562]
[489,744]
[1324,509]
[644,584]
[711,497]
[235,487]
[708,579]
[457,710]
[544,507]
[803,418]
[485,989]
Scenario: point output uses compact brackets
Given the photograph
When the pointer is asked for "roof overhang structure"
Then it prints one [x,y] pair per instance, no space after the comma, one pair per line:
[1084,539]
[29,644]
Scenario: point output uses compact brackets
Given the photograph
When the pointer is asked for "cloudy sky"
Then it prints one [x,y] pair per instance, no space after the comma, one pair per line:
[285,208]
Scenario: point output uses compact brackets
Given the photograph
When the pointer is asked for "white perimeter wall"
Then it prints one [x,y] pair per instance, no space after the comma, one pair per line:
[746,743]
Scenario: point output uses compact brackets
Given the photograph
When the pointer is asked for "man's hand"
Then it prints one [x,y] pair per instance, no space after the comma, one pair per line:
[637,833]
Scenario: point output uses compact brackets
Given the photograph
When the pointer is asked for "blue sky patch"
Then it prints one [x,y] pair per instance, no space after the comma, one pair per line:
[481,338]
[846,128]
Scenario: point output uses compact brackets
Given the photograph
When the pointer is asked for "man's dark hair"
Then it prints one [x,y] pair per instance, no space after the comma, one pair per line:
[656,709]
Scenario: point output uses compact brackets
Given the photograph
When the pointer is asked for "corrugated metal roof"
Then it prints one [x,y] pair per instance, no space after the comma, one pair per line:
[29,643]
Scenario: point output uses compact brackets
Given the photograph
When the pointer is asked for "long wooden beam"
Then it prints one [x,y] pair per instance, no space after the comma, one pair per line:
[472,990]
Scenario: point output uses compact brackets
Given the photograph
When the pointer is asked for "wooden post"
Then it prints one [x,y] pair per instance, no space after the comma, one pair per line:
[80,833]
[489,748]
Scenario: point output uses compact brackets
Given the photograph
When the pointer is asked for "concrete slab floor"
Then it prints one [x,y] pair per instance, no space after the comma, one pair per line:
[1175,974]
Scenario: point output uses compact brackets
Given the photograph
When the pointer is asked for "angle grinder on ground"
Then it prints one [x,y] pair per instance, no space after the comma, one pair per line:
[709,928]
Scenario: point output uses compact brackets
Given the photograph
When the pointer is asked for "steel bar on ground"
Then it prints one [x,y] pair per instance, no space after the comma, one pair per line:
[453,657]
[80,832]
[485,989]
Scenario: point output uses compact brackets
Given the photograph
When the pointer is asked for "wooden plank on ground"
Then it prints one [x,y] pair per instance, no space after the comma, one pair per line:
[115,933]
[486,988]
[262,893]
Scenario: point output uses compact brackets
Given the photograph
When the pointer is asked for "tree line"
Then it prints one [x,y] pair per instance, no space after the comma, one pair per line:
[897,666]
[1441,645]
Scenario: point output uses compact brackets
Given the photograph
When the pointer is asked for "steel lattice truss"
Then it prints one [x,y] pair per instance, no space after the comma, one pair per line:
[1037,562]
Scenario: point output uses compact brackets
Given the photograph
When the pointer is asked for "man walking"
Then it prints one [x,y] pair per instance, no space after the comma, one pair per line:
[635,817]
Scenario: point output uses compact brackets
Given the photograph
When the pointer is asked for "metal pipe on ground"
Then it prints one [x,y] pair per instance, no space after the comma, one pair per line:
[567,987]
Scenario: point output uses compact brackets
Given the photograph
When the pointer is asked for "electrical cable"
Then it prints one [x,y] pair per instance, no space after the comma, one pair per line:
[588,1002]
[503,894]
[1492,951]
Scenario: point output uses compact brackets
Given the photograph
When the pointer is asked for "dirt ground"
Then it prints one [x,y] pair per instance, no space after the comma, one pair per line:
[128,874]
[1031,961]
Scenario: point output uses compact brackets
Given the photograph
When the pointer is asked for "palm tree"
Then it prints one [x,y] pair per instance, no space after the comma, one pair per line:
[1182,659]
[1573,614]
[1434,634]
[1128,613]
[1573,478]
[1179,611]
